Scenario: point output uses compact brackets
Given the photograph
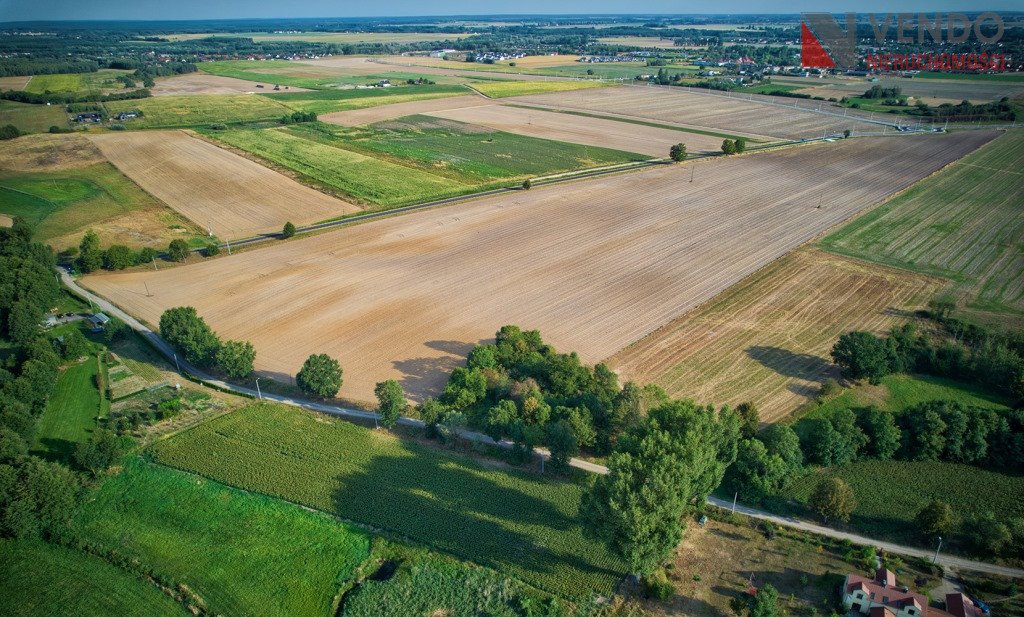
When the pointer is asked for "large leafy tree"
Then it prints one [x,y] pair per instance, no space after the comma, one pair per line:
[833,499]
[390,402]
[186,331]
[319,376]
[673,459]
[863,355]
[236,358]
[935,519]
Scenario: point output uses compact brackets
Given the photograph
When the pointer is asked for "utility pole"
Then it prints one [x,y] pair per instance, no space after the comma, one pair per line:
[734,497]
[154,264]
[148,295]
[258,393]
[228,242]
[176,366]
[692,168]
[935,559]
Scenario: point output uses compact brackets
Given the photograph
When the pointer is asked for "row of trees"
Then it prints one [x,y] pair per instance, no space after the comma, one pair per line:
[36,496]
[522,389]
[990,360]
[186,331]
[734,146]
[90,256]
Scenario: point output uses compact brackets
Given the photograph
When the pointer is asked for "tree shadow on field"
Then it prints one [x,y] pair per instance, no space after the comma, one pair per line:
[785,362]
[422,377]
[451,504]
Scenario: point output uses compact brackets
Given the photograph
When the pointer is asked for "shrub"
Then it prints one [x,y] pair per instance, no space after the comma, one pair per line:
[212,249]
[658,587]
[288,231]
[9,131]
[178,250]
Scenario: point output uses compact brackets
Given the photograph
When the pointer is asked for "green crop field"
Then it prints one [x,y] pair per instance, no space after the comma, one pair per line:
[299,75]
[471,153]
[63,82]
[354,175]
[518,524]
[243,554]
[32,118]
[328,101]
[965,223]
[502,89]
[198,110]
[39,579]
[890,493]
[70,414]
[983,77]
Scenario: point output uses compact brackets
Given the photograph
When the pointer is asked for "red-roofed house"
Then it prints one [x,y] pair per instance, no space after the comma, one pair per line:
[881,597]
[959,605]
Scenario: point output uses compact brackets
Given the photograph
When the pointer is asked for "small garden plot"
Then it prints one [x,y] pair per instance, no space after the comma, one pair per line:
[123,380]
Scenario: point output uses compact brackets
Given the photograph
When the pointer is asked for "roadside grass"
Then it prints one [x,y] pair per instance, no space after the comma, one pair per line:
[518,524]
[41,579]
[200,110]
[328,101]
[964,223]
[70,415]
[243,554]
[889,494]
[61,205]
[32,118]
[651,123]
[502,89]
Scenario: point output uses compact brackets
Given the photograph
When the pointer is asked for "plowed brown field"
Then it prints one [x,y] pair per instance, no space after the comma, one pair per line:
[369,115]
[626,136]
[703,109]
[213,187]
[767,339]
[594,265]
[201,83]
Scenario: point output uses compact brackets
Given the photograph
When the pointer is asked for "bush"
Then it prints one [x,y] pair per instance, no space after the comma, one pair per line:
[178,250]
[9,131]
[212,249]
[288,230]
[118,257]
[658,587]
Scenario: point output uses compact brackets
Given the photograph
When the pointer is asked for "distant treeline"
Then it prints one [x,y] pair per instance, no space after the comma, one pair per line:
[45,66]
[64,98]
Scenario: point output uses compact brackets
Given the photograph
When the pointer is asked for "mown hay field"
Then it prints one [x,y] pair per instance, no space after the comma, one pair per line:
[369,115]
[767,339]
[32,118]
[201,83]
[216,189]
[649,140]
[243,554]
[522,525]
[965,223]
[595,265]
[704,109]
[66,200]
[38,578]
[330,101]
[296,75]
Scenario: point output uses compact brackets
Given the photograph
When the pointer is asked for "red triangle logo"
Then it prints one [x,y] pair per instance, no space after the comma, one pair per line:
[812,54]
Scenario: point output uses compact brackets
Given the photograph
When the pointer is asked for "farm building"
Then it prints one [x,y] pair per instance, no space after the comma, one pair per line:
[882,597]
[98,322]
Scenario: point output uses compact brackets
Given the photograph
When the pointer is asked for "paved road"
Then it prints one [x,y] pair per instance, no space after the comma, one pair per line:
[161,345]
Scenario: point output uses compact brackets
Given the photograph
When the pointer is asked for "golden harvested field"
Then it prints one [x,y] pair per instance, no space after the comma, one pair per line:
[533,62]
[931,91]
[430,66]
[201,83]
[594,265]
[767,339]
[638,41]
[641,139]
[369,115]
[48,152]
[213,187]
[14,83]
[673,104]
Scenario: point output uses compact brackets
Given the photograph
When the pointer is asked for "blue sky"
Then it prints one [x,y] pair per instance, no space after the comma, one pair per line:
[12,10]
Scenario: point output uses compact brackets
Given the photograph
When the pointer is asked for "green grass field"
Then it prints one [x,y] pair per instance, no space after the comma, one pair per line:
[199,110]
[59,203]
[890,493]
[470,153]
[898,392]
[984,77]
[70,414]
[32,118]
[502,89]
[299,75]
[518,524]
[964,223]
[328,101]
[243,554]
[41,580]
